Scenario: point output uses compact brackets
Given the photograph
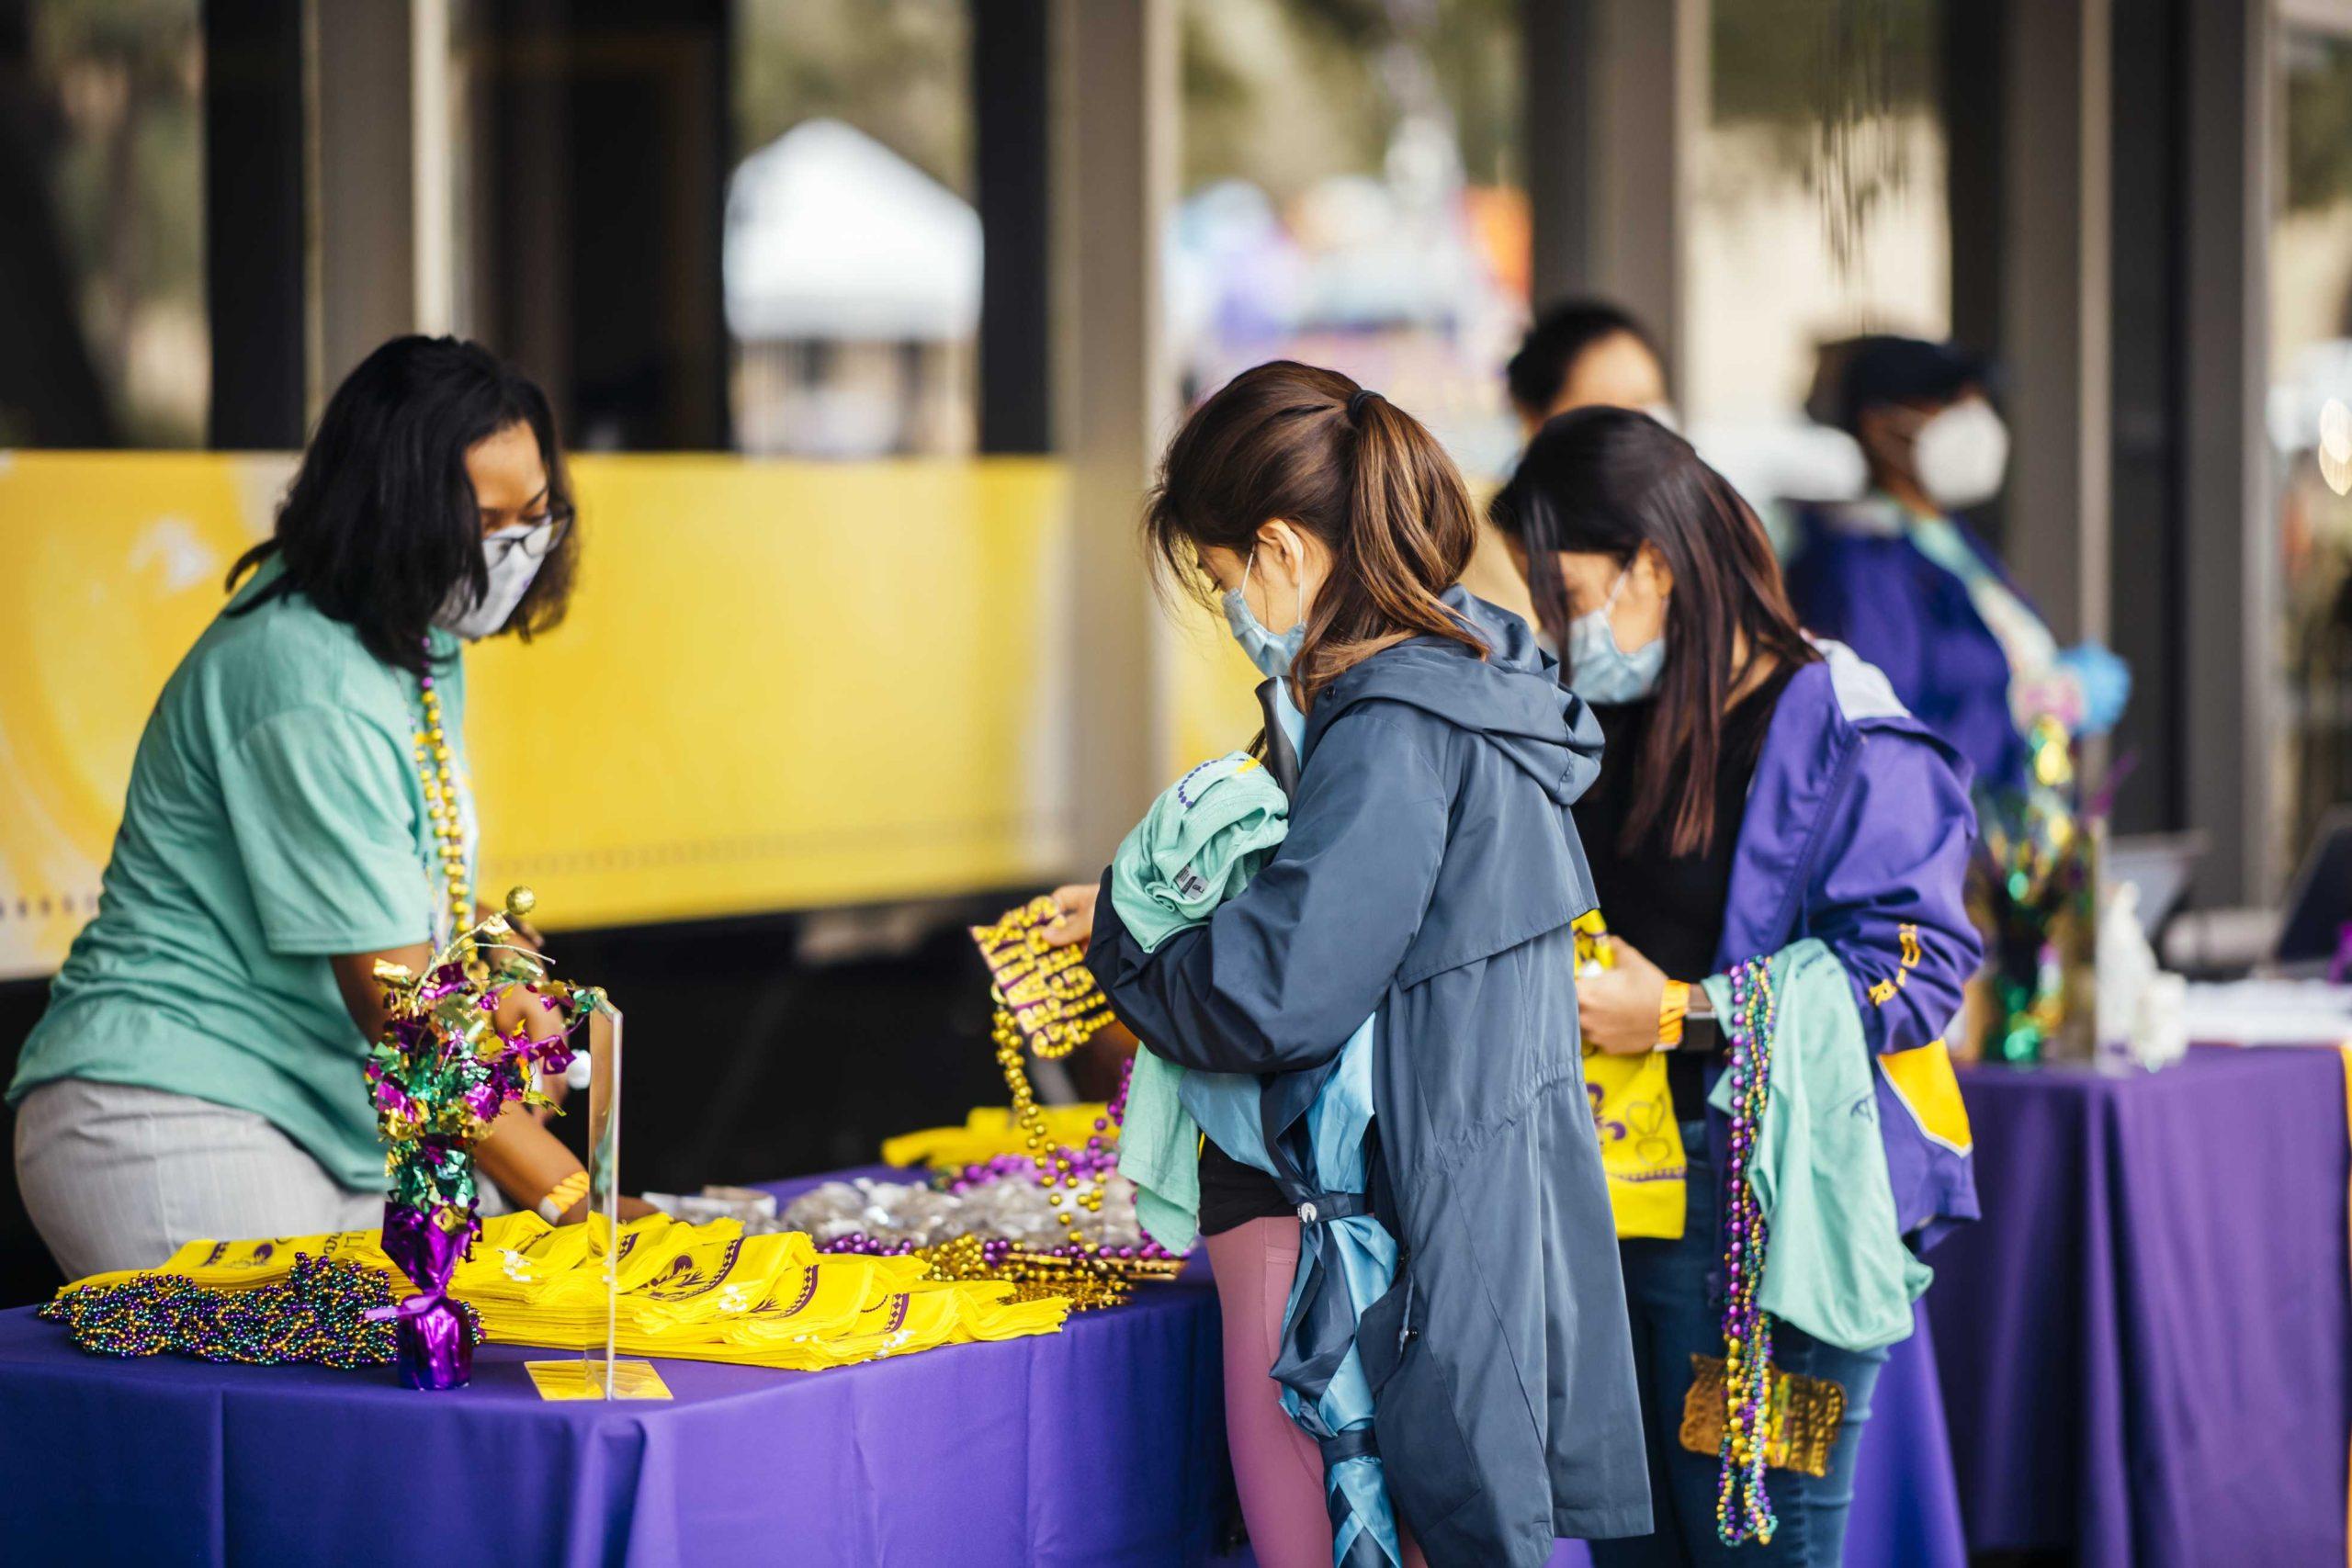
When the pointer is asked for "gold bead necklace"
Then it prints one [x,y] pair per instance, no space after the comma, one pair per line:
[433,772]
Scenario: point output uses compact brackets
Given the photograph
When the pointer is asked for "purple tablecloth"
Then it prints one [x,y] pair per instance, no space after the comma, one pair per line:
[1103,1444]
[2146,1344]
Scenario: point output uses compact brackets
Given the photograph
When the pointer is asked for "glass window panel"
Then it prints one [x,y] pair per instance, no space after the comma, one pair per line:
[101,125]
[1351,196]
[1819,199]
[2310,368]
[852,248]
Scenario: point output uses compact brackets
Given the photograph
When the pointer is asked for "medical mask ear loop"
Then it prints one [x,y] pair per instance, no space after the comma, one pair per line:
[1609,604]
[1298,587]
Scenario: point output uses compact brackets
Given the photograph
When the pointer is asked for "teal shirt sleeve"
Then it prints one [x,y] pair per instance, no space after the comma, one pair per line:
[319,800]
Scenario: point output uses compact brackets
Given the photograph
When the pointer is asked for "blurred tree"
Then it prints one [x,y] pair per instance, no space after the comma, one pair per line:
[2318,122]
[898,70]
[1823,88]
[118,85]
[1287,93]
[1773,59]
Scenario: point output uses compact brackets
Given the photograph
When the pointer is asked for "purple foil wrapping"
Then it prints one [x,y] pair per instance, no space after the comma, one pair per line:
[434,1350]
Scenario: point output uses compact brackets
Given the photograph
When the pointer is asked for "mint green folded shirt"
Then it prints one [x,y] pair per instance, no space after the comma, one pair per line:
[1199,844]
[275,817]
[1835,1264]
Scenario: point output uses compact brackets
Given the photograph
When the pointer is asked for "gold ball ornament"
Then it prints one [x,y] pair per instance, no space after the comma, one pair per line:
[520,902]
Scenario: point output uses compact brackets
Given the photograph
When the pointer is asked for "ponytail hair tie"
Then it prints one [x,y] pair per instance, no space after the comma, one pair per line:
[1356,400]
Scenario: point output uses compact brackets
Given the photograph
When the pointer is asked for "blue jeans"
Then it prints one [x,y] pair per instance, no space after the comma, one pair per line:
[1674,1318]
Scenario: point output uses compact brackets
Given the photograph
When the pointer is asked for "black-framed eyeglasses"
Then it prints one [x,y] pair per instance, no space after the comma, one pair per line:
[539,539]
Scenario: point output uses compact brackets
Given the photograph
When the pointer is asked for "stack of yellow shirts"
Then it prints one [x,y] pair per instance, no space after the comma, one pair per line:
[234,1265]
[703,1292]
[709,1292]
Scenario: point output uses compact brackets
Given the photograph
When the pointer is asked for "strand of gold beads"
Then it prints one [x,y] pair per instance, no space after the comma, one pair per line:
[433,771]
[1073,1008]
[1061,1184]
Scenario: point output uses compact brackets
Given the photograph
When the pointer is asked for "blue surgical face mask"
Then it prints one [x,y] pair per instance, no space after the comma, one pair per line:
[1270,653]
[1600,671]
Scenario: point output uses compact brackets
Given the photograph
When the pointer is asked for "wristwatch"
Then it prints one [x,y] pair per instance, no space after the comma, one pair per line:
[1700,1030]
[1692,1014]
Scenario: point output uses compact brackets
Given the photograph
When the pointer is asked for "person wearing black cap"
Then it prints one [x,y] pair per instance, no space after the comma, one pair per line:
[1910,587]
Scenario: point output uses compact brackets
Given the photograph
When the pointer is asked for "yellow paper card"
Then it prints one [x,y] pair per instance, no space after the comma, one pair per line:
[585,1380]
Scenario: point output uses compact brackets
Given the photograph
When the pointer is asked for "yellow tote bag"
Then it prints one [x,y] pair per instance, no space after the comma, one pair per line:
[1640,1143]
[1632,1112]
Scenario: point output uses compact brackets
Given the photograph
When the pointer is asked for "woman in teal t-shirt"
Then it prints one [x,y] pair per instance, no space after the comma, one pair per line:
[298,810]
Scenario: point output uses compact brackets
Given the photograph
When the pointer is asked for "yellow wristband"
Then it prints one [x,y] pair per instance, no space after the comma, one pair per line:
[1671,1007]
[562,1196]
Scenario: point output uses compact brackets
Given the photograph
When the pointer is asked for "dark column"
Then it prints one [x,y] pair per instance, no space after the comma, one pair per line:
[2229,630]
[1974,147]
[1012,174]
[608,150]
[1974,113]
[255,283]
[2147,563]
[1556,48]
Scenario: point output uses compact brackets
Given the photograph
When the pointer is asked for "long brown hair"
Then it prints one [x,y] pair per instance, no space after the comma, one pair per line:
[1310,447]
[1607,482]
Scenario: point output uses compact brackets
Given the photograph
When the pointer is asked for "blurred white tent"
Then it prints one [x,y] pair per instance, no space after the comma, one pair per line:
[831,234]
[852,286]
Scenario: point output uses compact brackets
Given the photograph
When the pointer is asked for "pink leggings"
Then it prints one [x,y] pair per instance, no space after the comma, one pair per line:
[1275,1466]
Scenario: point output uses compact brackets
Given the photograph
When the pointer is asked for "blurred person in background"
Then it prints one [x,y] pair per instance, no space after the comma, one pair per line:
[1756,793]
[1581,353]
[299,811]
[1900,576]
[1578,353]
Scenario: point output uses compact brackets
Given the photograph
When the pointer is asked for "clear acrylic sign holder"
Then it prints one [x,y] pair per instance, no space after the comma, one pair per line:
[599,1373]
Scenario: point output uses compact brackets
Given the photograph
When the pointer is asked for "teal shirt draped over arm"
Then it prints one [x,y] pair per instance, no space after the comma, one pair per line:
[1199,844]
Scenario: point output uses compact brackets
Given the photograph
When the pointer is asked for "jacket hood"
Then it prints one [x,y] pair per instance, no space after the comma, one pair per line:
[1512,699]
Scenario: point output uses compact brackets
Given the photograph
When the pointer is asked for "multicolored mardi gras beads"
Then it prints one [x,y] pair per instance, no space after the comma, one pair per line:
[1047,1002]
[317,1316]
[1085,1277]
[1743,1507]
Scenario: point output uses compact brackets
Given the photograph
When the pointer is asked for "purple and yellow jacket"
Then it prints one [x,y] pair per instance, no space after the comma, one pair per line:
[1857,831]
[1857,577]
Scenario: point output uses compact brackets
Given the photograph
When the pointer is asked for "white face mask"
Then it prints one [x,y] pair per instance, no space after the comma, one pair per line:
[511,569]
[1960,454]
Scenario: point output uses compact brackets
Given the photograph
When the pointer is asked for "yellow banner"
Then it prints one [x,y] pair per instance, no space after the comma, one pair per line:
[782,685]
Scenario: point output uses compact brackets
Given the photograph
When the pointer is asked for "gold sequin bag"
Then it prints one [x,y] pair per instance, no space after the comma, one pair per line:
[1802,1424]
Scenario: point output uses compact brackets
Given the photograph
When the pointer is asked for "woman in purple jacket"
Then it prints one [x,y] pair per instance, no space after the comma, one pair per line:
[1756,789]
[1901,576]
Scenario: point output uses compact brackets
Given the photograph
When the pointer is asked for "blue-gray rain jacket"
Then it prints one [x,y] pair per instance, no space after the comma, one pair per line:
[1431,874]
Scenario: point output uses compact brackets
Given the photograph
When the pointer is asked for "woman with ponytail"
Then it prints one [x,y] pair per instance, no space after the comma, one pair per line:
[1765,810]
[1428,881]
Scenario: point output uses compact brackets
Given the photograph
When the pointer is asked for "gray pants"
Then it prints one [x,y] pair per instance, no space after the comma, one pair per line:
[118,1178]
